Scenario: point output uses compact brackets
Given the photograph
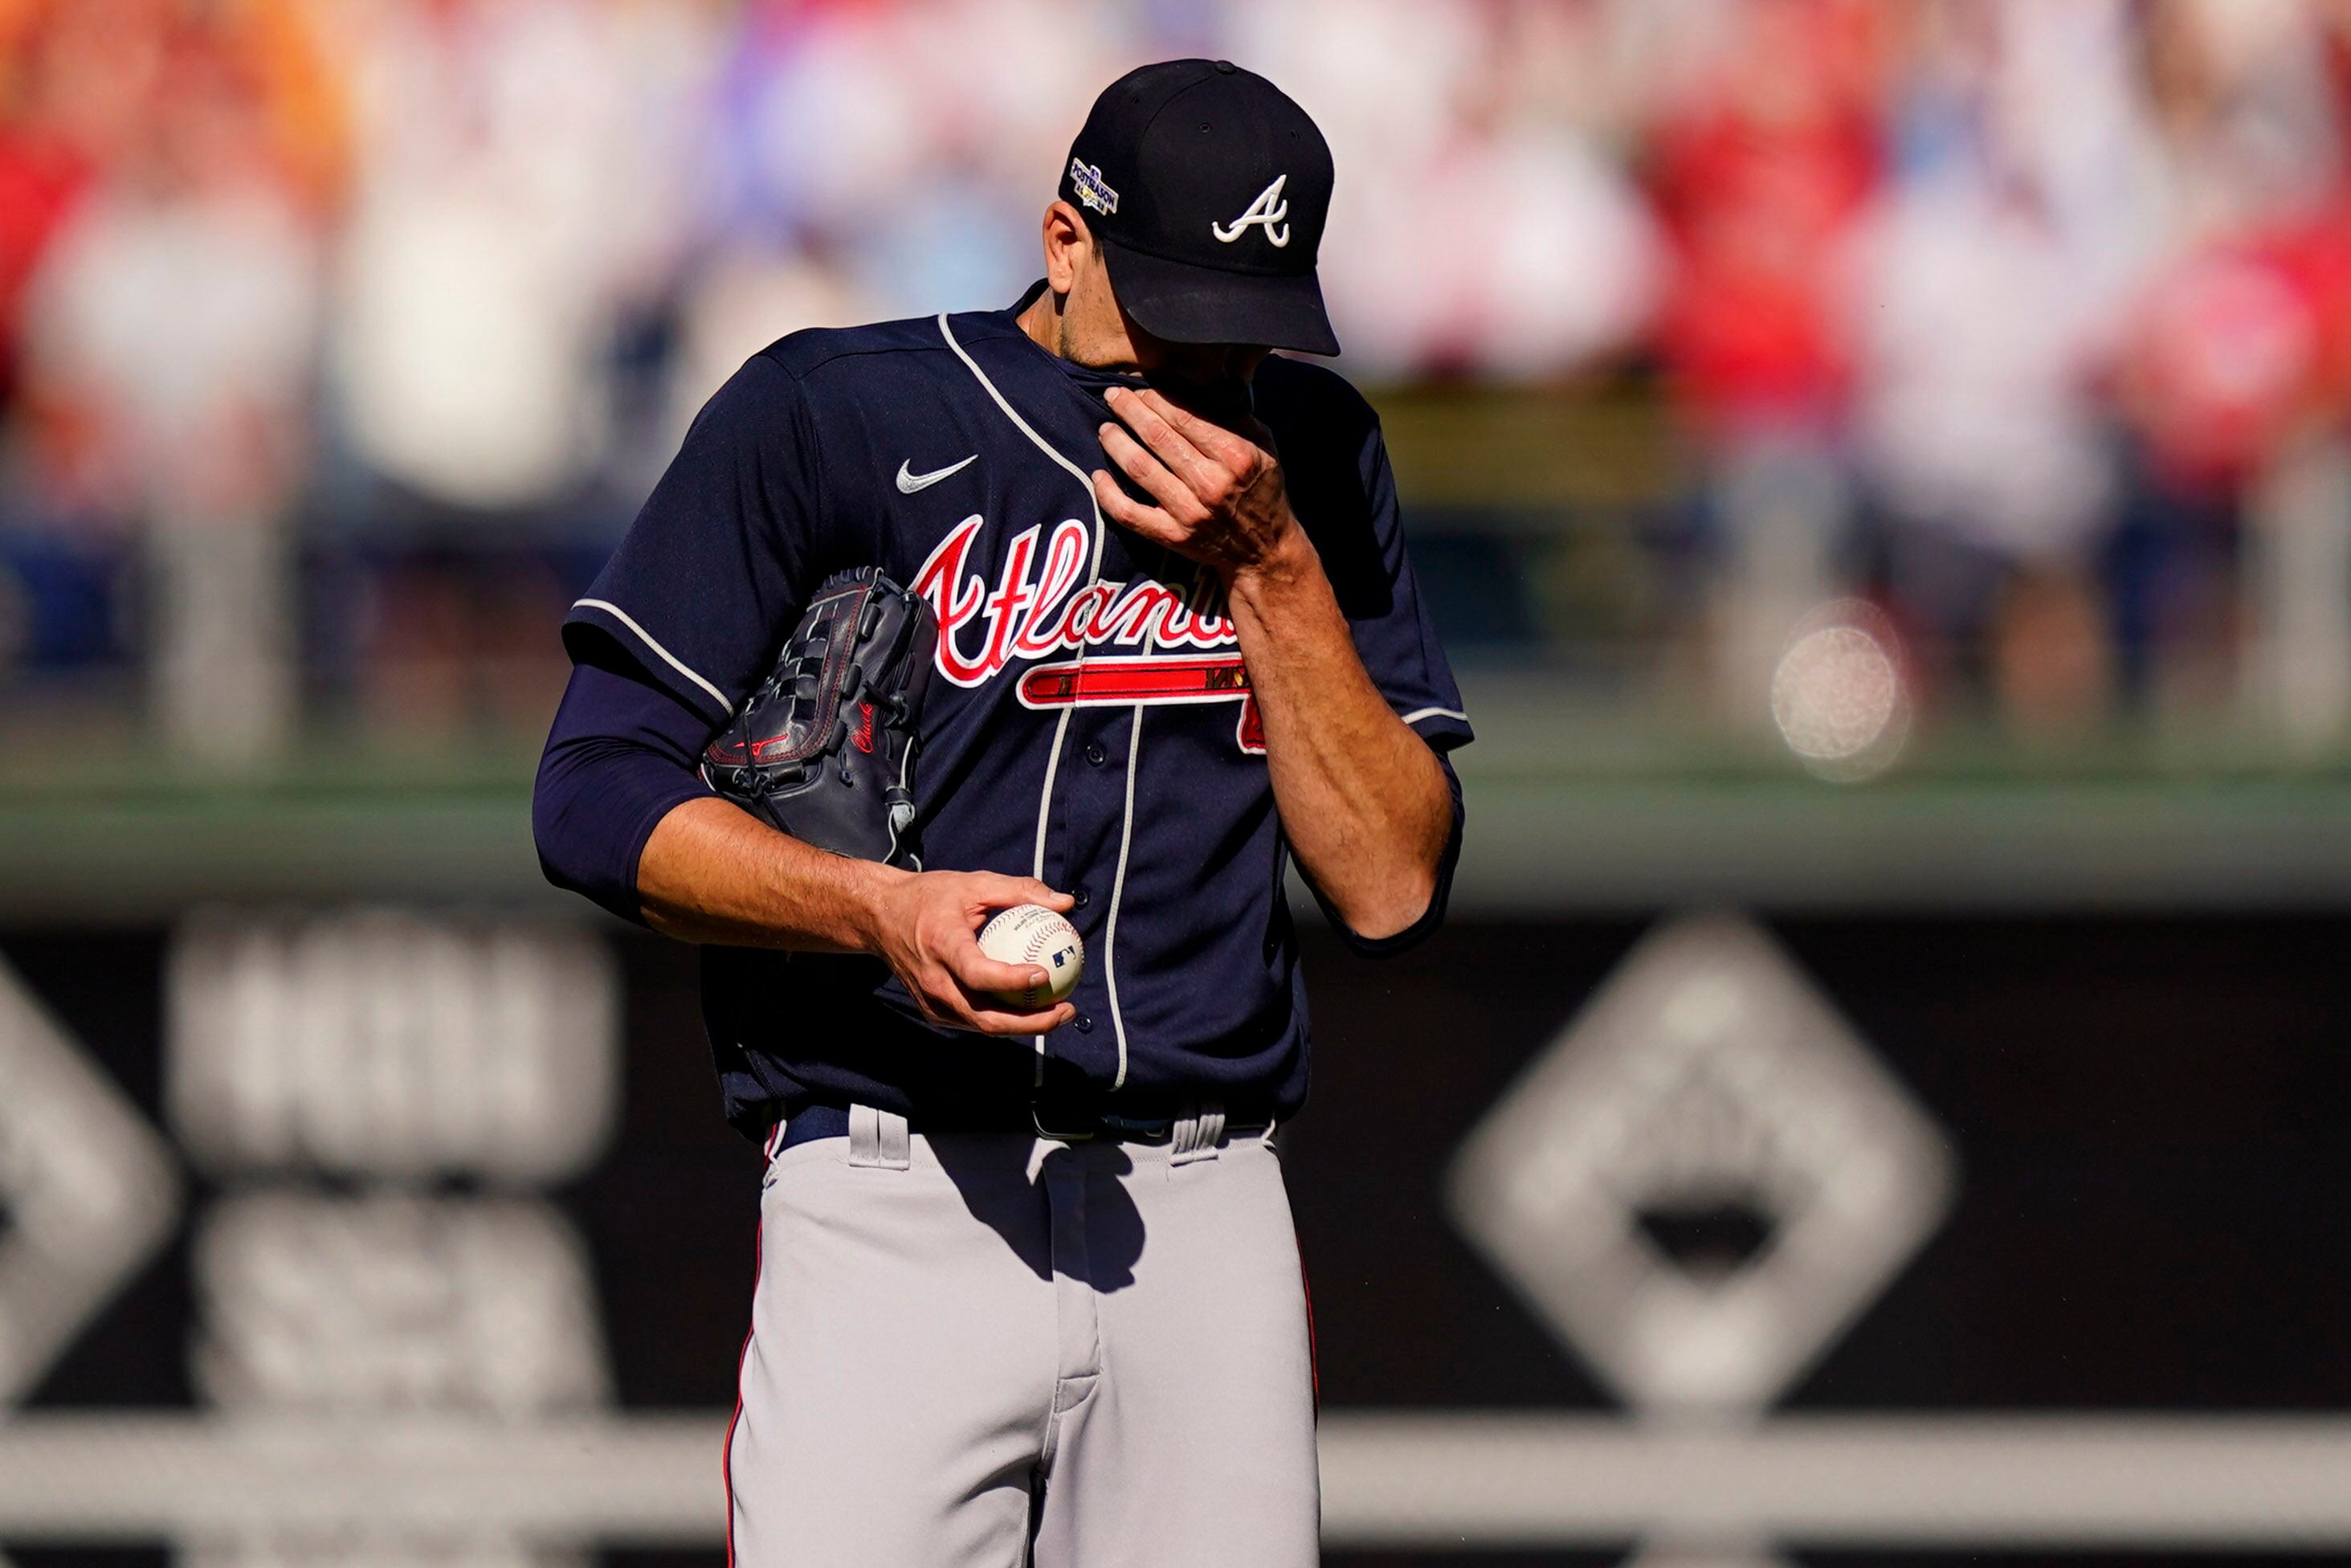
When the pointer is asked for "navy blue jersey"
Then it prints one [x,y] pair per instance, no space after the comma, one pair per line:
[1090,723]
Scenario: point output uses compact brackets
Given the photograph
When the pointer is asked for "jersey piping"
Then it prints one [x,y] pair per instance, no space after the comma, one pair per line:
[1118,890]
[672,660]
[1062,726]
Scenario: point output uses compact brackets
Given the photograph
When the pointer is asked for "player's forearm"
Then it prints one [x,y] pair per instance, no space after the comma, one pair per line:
[1363,800]
[712,873]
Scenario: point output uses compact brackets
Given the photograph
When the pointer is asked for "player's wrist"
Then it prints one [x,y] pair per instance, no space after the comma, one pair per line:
[1286,561]
[873,905]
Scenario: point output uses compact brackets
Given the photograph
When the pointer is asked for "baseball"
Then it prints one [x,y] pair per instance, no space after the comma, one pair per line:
[1032,934]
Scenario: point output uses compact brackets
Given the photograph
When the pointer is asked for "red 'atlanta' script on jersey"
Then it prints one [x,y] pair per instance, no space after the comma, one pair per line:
[1034,620]
[1026,618]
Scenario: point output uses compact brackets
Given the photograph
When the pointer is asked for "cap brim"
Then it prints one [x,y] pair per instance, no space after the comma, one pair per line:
[1182,303]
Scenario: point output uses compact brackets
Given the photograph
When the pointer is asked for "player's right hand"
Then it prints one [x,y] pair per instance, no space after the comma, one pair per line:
[926,927]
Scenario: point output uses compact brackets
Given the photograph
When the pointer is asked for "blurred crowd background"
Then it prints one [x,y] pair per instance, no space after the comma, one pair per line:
[2008,342]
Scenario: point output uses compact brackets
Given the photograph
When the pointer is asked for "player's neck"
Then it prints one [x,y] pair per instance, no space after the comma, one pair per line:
[1042,321]
[1051,330]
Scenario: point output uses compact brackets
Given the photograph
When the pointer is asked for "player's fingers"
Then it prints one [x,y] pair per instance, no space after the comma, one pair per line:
[1038,892]
[946,999]
[978,1007]
[996,1020]
[995,890]
[931,1005]
[1149,415]
[1151,407]
[1127,512]
[1173,491]
[999,891]
[1204,435]
[979,973]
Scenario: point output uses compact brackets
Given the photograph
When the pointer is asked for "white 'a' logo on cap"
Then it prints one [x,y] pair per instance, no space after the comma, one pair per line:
[1269,210]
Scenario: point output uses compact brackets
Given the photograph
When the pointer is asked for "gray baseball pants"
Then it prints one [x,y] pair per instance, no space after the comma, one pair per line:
[986,1351]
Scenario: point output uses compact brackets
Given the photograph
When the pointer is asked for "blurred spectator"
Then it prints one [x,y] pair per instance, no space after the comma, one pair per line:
[63,106]
[1481,231]
[877,160]
[517,200]
[167,342]
[73,82]
[2247,333]
[1986,290]
[2243,356]
[171,320]
[502,204]
[1757,175]
[1759,171]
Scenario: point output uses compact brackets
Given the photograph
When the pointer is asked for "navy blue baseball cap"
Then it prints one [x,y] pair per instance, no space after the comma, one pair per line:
[1208,186]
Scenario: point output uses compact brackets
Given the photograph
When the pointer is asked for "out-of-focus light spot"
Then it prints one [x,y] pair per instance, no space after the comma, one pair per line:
[1838,696]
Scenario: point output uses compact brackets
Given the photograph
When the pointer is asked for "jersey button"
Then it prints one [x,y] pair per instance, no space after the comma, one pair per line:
[1096,755]
[1083,1023]
[1080,898]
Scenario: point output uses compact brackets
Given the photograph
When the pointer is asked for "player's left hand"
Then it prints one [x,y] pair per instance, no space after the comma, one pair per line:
[1221,501]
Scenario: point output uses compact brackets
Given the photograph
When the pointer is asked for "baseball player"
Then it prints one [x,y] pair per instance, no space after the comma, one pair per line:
[1030,1290]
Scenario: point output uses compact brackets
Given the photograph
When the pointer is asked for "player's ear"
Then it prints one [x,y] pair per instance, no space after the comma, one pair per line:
[1069,243]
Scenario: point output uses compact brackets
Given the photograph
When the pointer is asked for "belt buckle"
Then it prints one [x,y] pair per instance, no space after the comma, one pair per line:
[1101,1126]
[1143,1129]
[1037,1120]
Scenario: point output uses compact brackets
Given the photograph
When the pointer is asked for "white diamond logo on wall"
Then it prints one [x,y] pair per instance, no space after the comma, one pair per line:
[1706,1177]
[89,1190]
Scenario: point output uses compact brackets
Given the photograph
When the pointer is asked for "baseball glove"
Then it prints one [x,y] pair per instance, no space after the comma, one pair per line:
[825,749]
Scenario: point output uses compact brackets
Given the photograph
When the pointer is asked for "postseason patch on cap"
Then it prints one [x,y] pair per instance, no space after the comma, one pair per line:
[1088,179]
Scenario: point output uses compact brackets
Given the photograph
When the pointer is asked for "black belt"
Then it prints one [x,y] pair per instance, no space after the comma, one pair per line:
[810,1123]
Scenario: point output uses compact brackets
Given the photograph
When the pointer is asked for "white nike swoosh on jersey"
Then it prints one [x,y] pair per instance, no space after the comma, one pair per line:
[910,483]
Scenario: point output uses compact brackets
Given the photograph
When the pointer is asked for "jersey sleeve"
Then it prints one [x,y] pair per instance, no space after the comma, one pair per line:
[1399,645]
[621,757]
[711,577]
[1343,492]
[1336,465]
